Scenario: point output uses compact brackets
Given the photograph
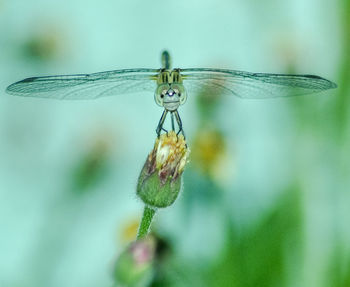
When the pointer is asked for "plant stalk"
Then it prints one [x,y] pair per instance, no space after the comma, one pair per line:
[146,221]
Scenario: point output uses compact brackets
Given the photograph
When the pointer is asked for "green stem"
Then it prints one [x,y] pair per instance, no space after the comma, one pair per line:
[146,220]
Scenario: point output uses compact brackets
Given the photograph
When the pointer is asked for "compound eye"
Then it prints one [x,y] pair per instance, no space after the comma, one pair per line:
[163,93]
[158,98]
[160,94]
[182,94]
[183,97]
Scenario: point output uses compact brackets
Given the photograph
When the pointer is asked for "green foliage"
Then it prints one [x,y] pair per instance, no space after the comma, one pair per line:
[90,170]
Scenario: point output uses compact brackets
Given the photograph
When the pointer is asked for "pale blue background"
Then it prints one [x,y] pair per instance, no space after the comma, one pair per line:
[47,241]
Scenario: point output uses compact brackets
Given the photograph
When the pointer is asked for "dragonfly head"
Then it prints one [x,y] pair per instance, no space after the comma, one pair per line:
[170,96]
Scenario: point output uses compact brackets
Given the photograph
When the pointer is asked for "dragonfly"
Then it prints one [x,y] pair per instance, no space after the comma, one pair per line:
[170,86]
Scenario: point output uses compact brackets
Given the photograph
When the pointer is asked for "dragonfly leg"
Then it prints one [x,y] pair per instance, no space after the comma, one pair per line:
[172,121]
[179,122]
[161,122]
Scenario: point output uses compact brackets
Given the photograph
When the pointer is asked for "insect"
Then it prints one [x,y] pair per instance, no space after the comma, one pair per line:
[170,86]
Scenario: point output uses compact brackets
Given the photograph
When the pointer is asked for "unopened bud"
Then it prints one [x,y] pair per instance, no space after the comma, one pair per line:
[160,180]
[134,266]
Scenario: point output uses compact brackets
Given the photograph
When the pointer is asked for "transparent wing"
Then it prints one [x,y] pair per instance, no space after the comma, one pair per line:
[86,86]
[252,85]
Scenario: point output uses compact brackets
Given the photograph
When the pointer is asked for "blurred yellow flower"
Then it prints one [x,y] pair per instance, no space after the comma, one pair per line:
[129,230]
[209,154]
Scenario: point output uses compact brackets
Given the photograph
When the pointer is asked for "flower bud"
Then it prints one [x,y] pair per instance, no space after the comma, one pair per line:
[134,266]
[160,180]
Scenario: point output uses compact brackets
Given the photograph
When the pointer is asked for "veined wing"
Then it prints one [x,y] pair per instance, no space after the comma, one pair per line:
[86,86]
[252,85]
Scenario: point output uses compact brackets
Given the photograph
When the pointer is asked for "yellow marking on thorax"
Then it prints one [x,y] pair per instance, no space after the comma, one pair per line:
[169,77]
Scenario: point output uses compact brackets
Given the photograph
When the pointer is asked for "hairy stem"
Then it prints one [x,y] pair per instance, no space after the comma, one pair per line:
[146,220]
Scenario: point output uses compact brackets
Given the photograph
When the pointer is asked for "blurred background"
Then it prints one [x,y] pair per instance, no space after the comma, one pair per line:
[266,194]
